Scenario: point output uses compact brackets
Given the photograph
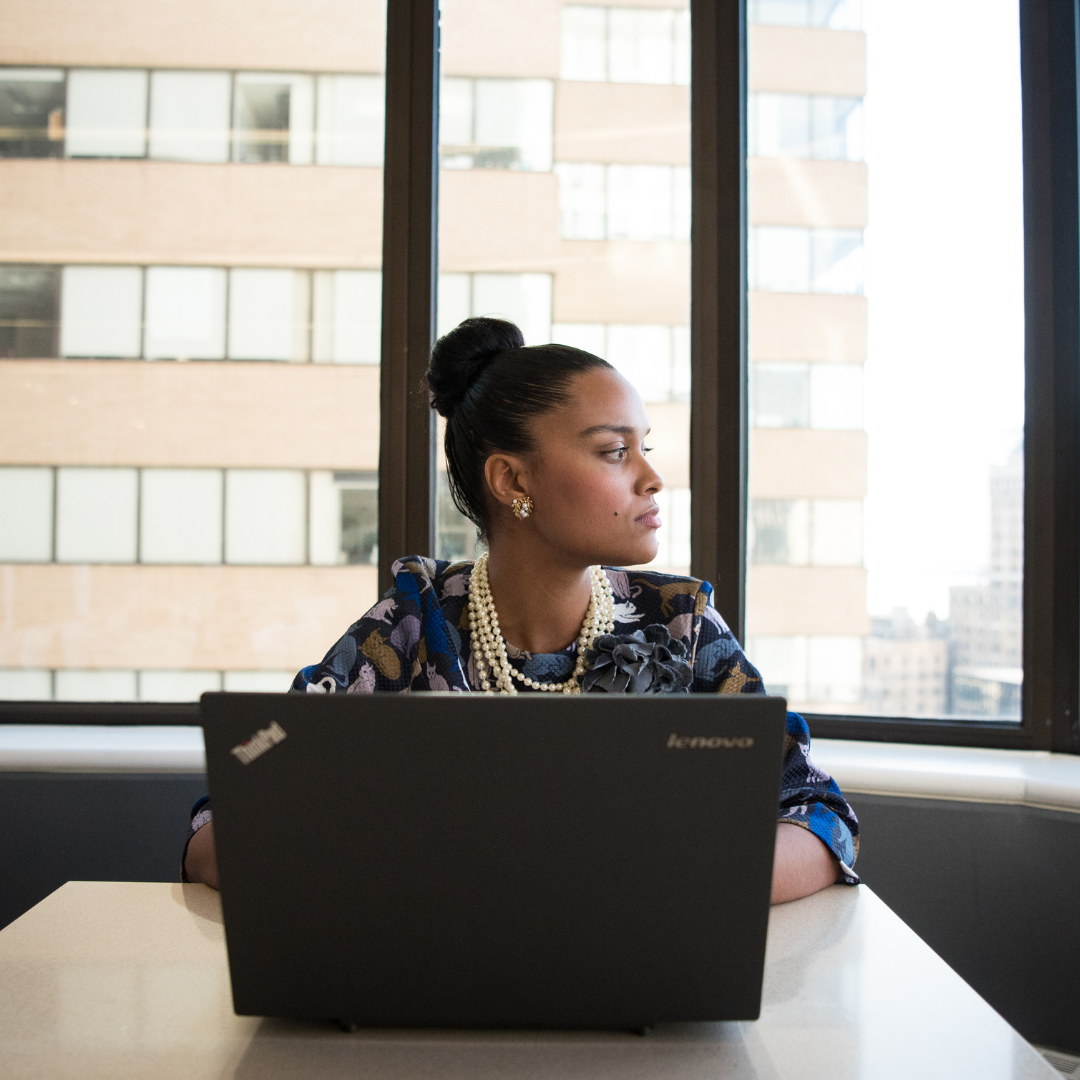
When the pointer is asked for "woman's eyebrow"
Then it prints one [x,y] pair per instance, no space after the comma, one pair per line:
[614,429]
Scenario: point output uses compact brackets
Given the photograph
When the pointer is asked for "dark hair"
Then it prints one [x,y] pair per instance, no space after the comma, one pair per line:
[489,386]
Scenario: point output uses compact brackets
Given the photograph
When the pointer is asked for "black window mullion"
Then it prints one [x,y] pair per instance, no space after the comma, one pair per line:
[1048,56]
[718,405]
[409,267]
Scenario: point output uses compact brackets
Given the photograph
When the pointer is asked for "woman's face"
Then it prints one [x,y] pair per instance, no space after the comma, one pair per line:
[592,486]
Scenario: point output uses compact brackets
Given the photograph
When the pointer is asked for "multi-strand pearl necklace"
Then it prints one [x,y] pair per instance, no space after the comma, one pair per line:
[489,646]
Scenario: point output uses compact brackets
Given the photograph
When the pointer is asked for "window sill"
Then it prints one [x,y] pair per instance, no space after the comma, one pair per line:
[970,774]
[1020,777]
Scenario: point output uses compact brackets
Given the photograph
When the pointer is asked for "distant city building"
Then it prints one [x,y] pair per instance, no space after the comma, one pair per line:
[907,666]
[985,620]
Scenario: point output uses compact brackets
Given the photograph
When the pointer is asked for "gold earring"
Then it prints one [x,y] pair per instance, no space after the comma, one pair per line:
[522,507]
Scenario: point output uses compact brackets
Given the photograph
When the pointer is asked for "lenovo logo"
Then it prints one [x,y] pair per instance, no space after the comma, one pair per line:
[247,751]
[702,742]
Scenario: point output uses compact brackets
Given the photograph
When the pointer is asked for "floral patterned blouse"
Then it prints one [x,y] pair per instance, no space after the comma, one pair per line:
[417,638]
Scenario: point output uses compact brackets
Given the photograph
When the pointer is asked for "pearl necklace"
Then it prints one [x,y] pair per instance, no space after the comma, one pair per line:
[489,646]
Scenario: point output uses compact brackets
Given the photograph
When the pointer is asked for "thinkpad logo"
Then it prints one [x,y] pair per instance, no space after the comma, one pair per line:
[703,742]
[247,751]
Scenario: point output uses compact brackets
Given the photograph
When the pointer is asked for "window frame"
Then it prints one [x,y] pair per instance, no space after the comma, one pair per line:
[719,414]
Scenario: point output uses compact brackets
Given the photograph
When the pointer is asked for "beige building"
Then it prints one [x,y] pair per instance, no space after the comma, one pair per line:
[189,312]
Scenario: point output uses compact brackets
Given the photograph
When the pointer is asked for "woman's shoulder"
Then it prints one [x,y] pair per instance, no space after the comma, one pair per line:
[644,597]
[415,574]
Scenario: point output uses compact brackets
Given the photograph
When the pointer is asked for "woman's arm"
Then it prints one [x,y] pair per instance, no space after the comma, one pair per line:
[200,859]
[802,864]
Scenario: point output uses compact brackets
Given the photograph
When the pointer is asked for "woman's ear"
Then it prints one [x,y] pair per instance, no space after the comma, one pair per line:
[505,476]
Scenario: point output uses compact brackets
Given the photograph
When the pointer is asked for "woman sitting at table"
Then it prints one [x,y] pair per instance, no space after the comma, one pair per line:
[545,448]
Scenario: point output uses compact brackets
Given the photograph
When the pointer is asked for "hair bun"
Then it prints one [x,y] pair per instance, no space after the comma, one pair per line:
[460,356]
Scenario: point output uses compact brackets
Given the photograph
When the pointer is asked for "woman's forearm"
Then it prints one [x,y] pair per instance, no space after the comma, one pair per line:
[802,864]
[200,861]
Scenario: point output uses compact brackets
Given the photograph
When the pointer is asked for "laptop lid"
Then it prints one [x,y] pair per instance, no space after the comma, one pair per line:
[455,860]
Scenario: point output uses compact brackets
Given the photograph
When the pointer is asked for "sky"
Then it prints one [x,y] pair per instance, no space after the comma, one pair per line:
[944,282]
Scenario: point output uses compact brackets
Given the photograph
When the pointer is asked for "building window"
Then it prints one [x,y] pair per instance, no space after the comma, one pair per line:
[656,359]
[26,529]
[106,113]
[627,45]
[189,115]
[96,515]
[101,311]
[350,120]
[180,516]
[823,670]
[821,395]
[274,118]
[344,518]
[823,14]
[806,126]
[265,517]
[806,532]
[216,116]
[524,299]
[624,202]
[496,123]
[798,260]
[29,312]
[31,113]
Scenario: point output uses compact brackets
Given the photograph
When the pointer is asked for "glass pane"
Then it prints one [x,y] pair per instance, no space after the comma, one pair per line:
[101,311]
[180,515]
[31,112]
[189,115]
[96,514]
[886,347]
[106,113]
[565,206]
[29,297]
[210,520]
[26,525]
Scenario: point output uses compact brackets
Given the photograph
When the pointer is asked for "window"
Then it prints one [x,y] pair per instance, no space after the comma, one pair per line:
[26,528]
[101,311]
[181,516]
[274,118]
[106,113]
[350,120]
[624,202]
[795,259]
[31,112]
[627,45]
[824,396]
[189,115]
[268,315]
[28,310]
[524,299]
[497,124]
[347,321]
[344,518]
[656,359]
[264,516]
[96,514]
[823,14]
[806,126]
[886,456]
[185,313]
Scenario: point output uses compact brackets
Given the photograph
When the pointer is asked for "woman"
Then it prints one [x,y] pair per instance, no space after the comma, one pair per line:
[546,453]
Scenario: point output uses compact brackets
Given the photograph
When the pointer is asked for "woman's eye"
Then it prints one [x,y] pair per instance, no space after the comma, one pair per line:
[620,453]
[646,449]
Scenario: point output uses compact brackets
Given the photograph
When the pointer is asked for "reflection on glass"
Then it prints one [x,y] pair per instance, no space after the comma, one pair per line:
[189,115]
[886,345]
[101,311]
[106,113]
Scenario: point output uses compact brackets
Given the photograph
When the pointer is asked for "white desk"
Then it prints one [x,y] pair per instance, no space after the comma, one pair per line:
[129,980]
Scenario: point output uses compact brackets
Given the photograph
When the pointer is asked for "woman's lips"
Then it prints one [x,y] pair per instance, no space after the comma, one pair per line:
[651,519]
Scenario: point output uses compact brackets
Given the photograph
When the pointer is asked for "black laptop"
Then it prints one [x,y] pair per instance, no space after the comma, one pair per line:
[453,861]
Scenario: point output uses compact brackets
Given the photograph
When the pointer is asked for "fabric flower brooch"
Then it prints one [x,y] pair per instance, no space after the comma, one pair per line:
[645,662]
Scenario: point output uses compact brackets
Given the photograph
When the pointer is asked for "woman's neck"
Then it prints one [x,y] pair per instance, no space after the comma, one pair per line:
[540,602]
